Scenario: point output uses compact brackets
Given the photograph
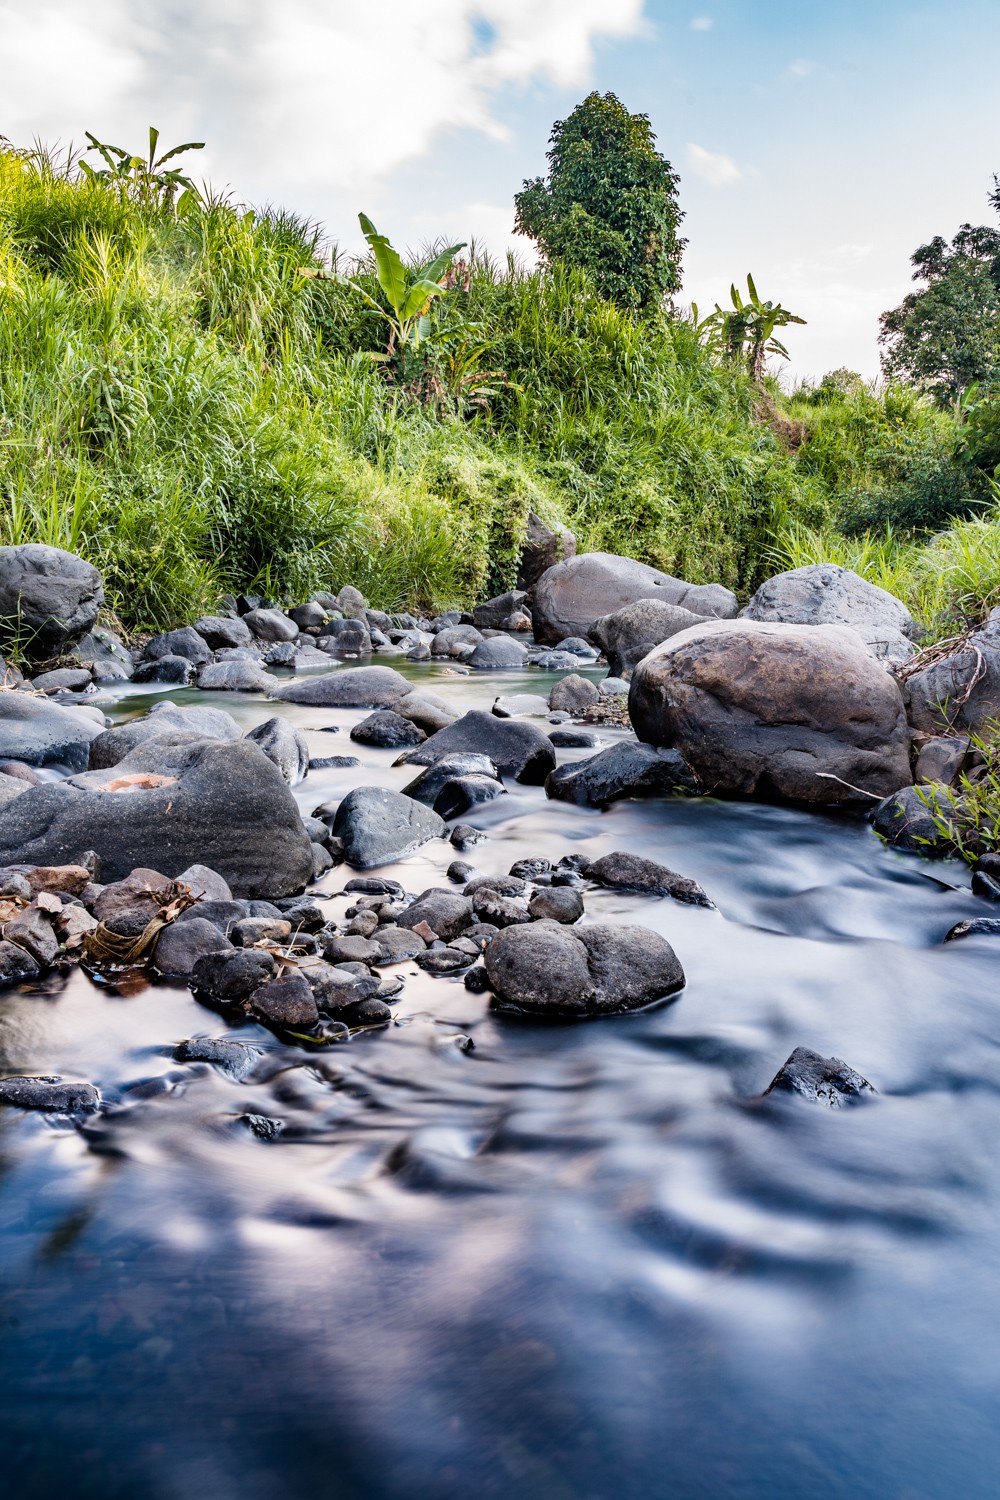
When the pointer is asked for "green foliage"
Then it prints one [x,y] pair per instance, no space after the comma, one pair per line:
[609,205]
[146,179]
[946,336]
[745,334]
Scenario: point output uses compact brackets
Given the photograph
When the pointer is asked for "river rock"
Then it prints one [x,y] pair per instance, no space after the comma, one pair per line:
[622,770]
[460,794]
[500,651]
[388,730]
[10,787]
[560,903]
[176,670]
[629,634]
[353,687]
[232,977]
[542,548]
[185,642]
[48,598]
[235,1058]
[452,640]
[235,677]
[826,594]
[63,680]
[40,733]
[824,1080]
[285,745]
[798,712]
[16,964]
[549,969]
[428,785]
[520,706]
[574,739]
[107,658]
[345,638]
[914,819]
[271,625]
[50,1094]
[516,747]
[32,930]
[569,598]
[378,826]
[573,694]
[335,989]
[285,1000]
[961,691]
[446,913]
[494,613]
[426,710]
[181,944]
[218,803]
[942,758]
[220,631]
[630,872]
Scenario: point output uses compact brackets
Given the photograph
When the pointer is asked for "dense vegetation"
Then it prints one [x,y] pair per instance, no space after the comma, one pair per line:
[179,403]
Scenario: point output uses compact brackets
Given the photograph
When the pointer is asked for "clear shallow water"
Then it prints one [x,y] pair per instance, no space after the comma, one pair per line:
[574,1263]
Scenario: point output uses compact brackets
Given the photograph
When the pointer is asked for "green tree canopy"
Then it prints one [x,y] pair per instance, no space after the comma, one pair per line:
[609,205]
[946,336]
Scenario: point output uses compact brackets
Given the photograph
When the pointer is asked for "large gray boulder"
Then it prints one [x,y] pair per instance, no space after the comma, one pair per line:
[378,826]
[48,598]
[825,594]
[547,968]
[166,807]
[41,733]
[352,687]
[797,712]
[542,548]
[516,747]
[104,655]
[112,745]
[960,691]
[629,634]
[569,598]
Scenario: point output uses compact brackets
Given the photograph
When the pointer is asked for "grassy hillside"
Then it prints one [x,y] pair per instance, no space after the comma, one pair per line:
[182,406]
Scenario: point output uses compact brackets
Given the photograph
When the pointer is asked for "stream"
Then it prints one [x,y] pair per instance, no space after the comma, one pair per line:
[575,1262]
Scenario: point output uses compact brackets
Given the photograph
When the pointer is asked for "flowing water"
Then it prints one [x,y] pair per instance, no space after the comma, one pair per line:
[574,1263]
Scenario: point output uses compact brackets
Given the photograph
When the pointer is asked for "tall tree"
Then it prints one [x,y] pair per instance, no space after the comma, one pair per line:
[946,335]
[609,204]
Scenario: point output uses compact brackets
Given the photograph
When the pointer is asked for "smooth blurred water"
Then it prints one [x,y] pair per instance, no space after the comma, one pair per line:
[578,1262]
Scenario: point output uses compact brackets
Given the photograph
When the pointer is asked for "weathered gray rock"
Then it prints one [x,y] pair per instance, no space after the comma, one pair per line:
[574,739]
[235,677]
[309,616]
[573,695]
[335,989]
[285,745]
[460,794]
[271,625]
[629,634]
[40,733]
[50,1094]
[429,712]
[388,730]
[517,748]
[572,596]
[942,758]
[353,687]
[378,827]
[797,712]
[176,670]
[48,598]
[543,547]
[622,770]
[232,977]
[826,594]
[345,638]
[428,785]
[454,638]
[494,613]
[285,1000]
[559,903]
[550,969]
[185,642]
[220,631]
[630,872]
[104,654]
[445,912]
[961,691]
[223,804]
[33,931]
[500,651]
[63,680]
[16,964]
[181,944]
[235,1058]
[915,819]
[824,1080]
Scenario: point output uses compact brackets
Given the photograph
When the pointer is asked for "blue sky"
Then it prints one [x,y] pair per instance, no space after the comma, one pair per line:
[818,145]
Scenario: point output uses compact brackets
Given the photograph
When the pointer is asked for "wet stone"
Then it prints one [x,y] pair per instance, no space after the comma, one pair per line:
[50,1094]
[286,1000]
[629,872]
[235,1058]
[824,1080]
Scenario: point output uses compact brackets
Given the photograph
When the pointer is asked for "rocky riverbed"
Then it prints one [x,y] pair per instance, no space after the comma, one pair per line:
[302,1190]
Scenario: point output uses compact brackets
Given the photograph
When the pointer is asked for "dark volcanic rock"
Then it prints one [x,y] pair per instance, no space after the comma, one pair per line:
[623,770]
[232,976]
[218,803]
[517,748]
[48,598]
[181,944]
[285,1001]
[909,820]
[50,1094]
[629,872]
[549,969]
[378,826]
[388,731]
[825,1080]
[542,548]
[798,712]
[16,964]
[569,598]
[629,634]
[353,687]
[285,745]
[185,642]
[40,733]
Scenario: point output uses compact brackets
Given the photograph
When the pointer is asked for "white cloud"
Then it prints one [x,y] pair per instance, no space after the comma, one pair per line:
[802,67]
[324,94]
[702,23]
[717,169]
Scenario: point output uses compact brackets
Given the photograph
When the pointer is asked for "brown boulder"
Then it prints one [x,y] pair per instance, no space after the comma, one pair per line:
[802,713]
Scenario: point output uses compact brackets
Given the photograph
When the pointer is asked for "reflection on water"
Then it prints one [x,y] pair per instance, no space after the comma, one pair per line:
[577,1262]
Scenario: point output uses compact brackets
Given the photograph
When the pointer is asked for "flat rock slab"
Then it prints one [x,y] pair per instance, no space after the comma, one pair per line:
[630,872]
[378,826]
[352,687]
[50,1094]
[545,968]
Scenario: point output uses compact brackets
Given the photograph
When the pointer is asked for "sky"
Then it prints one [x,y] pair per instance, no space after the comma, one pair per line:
[818,144]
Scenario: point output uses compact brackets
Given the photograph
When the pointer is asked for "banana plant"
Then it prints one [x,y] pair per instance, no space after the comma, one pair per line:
[746,332]
[410,292]
[143,177]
